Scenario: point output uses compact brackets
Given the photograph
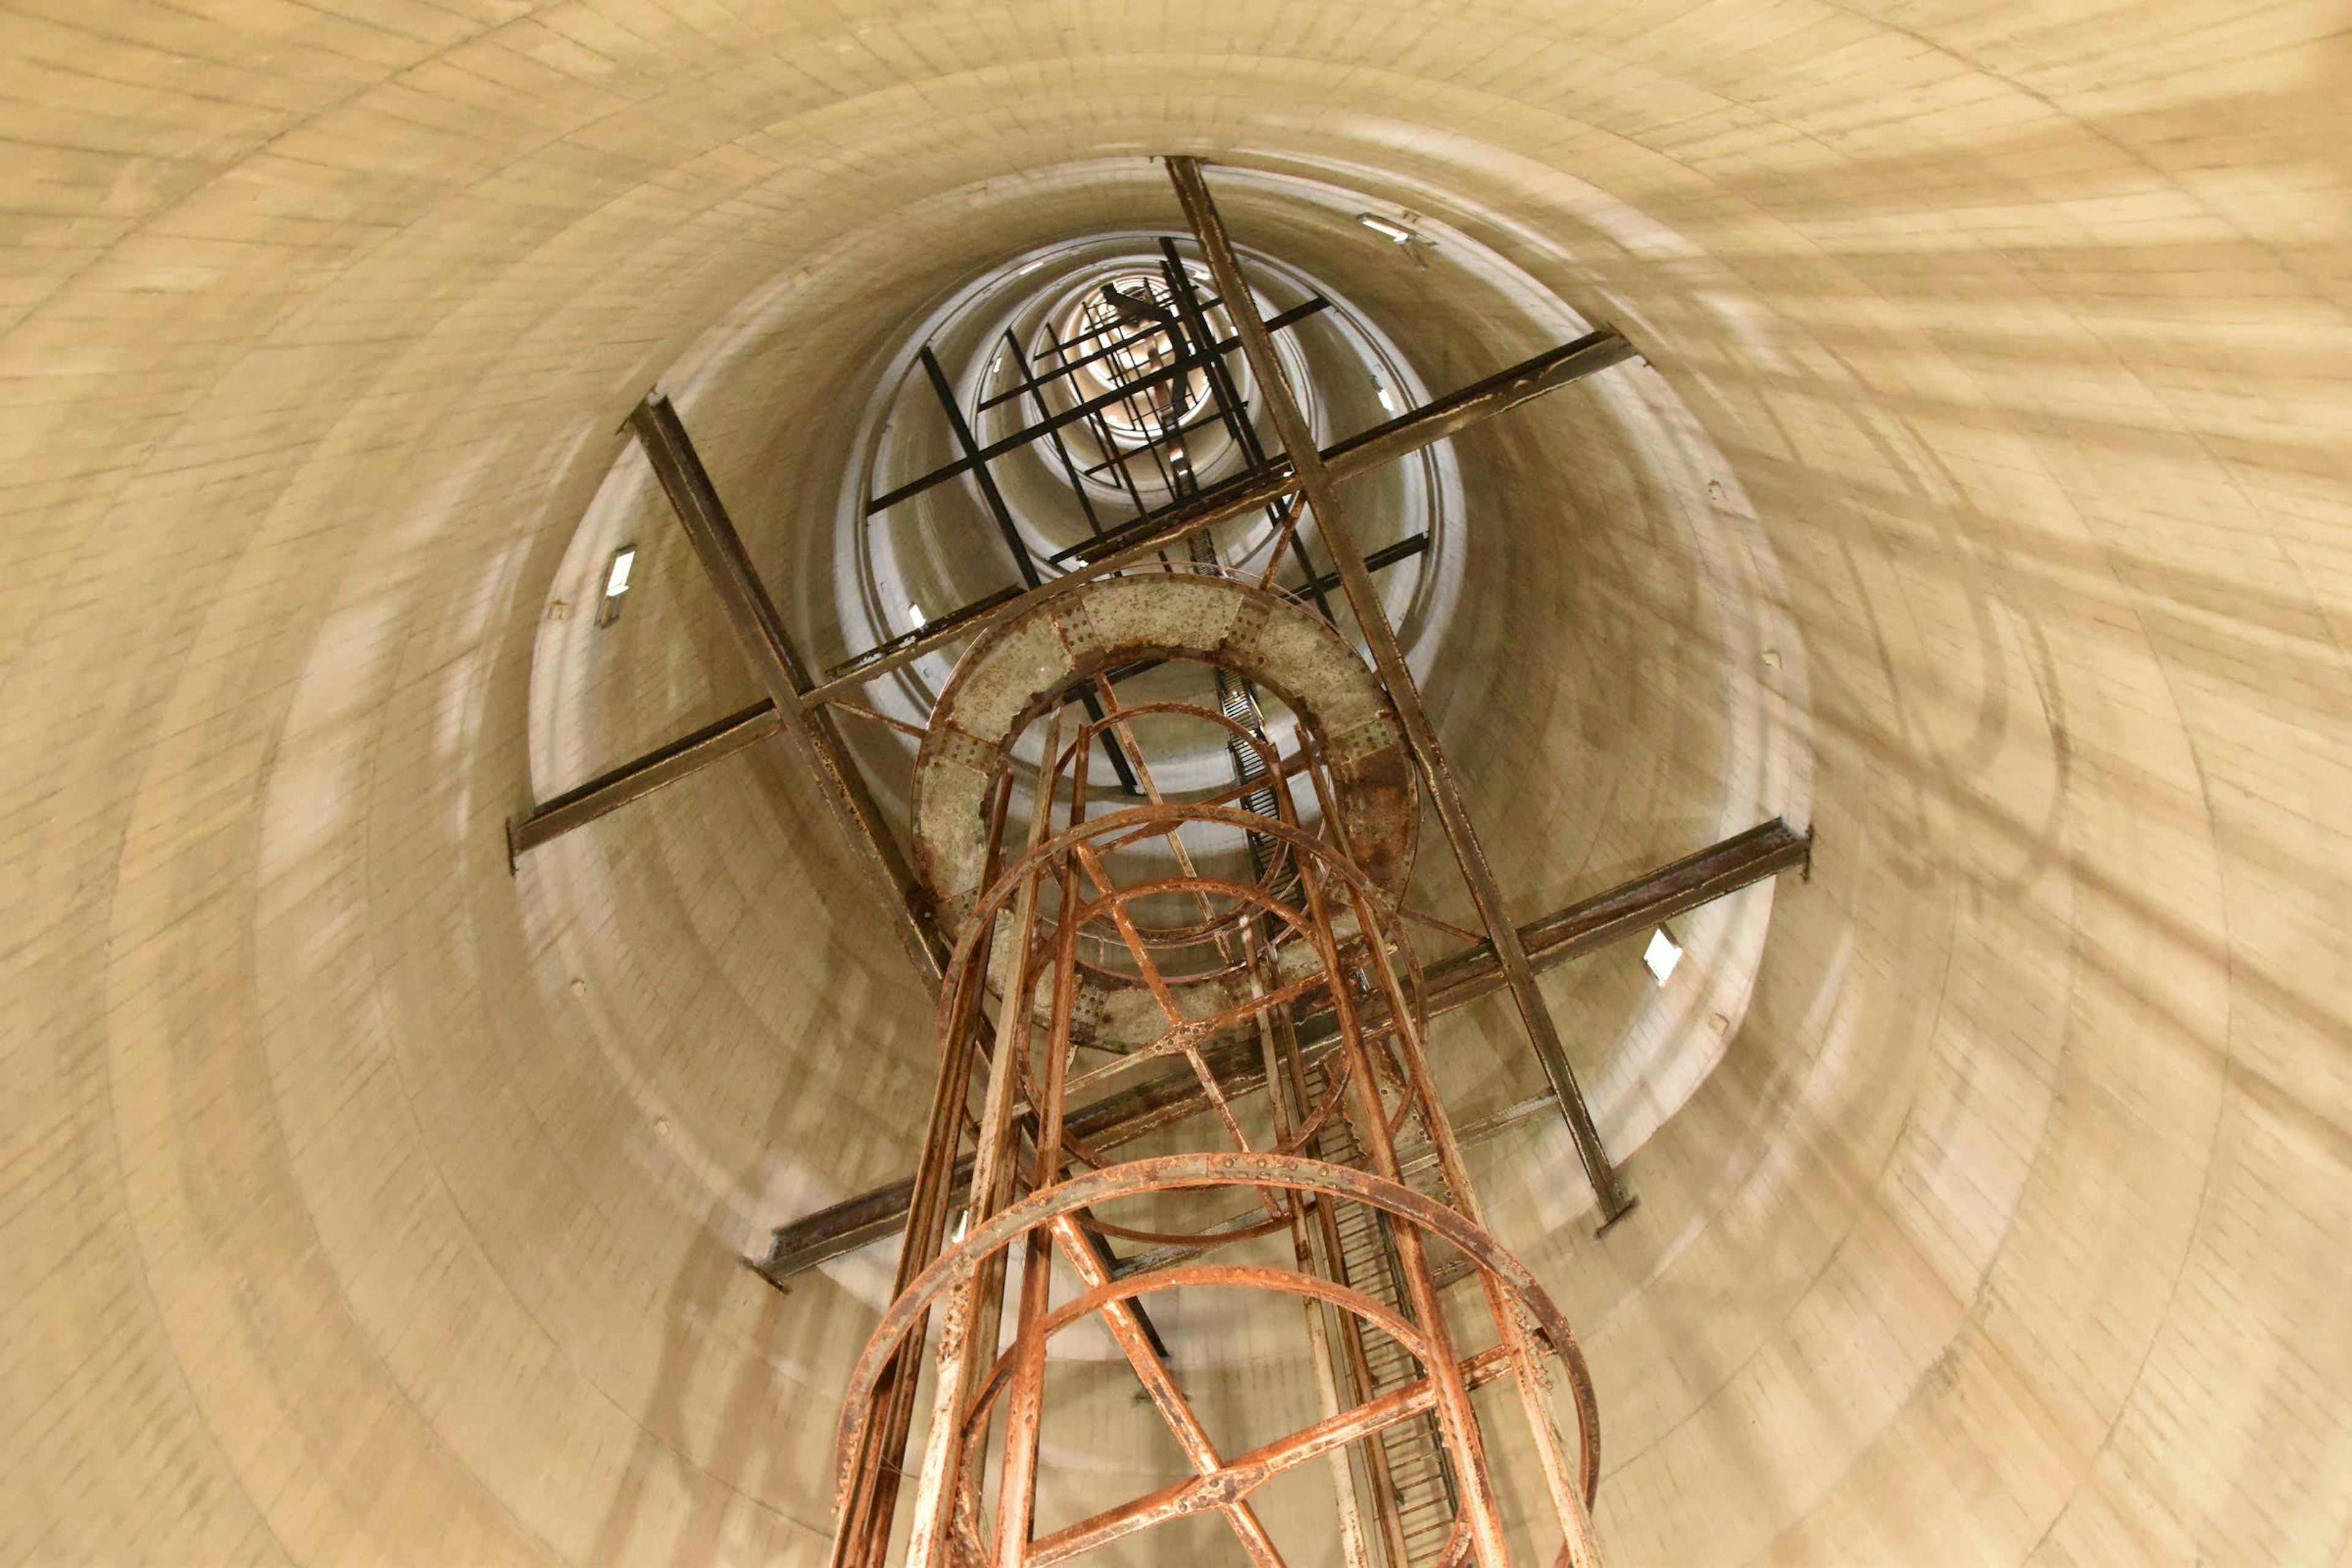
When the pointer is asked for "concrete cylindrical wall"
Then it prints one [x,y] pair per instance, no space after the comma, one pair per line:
[1984,499]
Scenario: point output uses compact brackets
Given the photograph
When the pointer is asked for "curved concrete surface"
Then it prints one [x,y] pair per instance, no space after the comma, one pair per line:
[1986,501]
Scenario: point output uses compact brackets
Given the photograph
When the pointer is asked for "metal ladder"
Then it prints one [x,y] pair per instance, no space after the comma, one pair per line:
[1420,1475]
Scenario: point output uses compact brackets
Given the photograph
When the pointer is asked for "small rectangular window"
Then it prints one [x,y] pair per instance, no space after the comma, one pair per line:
[616,583]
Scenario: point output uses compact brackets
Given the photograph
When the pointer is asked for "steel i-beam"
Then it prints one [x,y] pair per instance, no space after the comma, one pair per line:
[609,792]
[1764,851]
[769,647]
[1137,543]
[1316,479]
[1131,545]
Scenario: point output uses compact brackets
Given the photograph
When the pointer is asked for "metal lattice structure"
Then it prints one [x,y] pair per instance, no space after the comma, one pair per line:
[1064,914]
[1100,983]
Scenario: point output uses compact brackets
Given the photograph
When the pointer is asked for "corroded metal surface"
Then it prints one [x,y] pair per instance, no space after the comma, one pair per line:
[1012,671]
[1635,906]
[1129,934]
[1314,929]
[1223,1485]
[1262,634]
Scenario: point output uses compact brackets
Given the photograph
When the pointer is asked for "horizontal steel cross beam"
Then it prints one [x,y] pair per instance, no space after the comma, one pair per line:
[1136,542]
[1424,427]
[608,792]
[1683,885]
[1004,445]
[582,805]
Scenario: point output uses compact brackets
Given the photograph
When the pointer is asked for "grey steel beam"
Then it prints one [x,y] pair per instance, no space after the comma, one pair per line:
[1045,411]
[1317,478]
[976,465]
[1076,414]
[774,659]
[632,780]
[607,791]
[1480,400]
[1625,910]
[1006,527]
[1136,542]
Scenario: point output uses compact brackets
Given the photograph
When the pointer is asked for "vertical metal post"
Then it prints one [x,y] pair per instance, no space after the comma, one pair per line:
[1363,596]
[1061,447]
[774,659]
[960,1346]
[1002,514]
[1023,1418]
[875,1500]
[1237,418]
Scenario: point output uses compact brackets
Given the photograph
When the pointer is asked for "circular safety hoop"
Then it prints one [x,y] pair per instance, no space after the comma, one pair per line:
[1015,670]
[1532,1336]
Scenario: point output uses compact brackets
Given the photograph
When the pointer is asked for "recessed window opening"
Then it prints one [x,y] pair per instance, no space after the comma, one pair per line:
[1663,954]
[616,583]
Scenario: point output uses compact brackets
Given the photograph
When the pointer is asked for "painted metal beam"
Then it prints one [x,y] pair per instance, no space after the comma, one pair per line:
[1002,514]
[1076,414]
[1321,483]
[715,742]
[1447,416]
[778,665]
[609,792]
[1622,911]
[1138,541]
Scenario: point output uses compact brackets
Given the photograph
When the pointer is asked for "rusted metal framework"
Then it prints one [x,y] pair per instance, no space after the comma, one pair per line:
[1456,981]
[1234,969]
[1108,946]
[1174,342]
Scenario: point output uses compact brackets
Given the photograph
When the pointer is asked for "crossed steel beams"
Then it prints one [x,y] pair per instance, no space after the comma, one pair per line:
[1116,549]
[1327,924]
[1318,479]
[1455,982]
[807,706]
[976,457]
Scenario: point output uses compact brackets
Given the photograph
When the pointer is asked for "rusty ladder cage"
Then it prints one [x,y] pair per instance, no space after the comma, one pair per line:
[1295,976]
[1067,911]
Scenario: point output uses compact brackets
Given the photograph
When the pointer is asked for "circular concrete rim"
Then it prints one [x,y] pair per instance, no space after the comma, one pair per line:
[1008,676]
